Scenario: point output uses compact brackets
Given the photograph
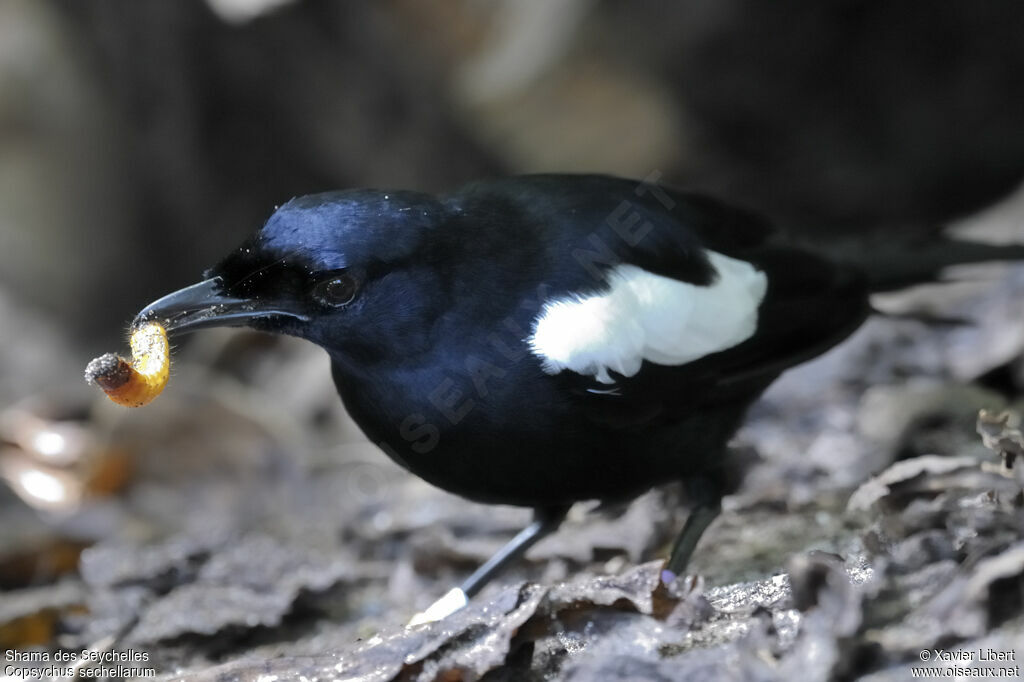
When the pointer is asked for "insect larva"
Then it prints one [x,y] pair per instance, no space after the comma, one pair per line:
[137,383]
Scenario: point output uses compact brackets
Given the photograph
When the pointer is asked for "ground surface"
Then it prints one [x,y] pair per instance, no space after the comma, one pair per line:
[240,527]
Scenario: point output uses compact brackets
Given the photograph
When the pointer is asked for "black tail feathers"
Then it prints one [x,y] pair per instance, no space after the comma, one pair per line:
[891,267]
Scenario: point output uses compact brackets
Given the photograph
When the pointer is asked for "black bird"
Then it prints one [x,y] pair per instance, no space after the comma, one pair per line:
[542,340]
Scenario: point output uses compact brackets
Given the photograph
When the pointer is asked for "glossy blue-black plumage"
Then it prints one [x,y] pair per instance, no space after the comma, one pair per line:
[431,356]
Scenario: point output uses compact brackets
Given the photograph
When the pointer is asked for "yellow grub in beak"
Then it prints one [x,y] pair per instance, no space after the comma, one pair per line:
[137,383]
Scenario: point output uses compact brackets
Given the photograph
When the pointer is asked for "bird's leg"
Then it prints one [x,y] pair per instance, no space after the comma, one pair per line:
[707,505]
[545,521]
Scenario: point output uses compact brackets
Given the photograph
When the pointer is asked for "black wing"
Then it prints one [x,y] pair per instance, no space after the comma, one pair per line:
[584,225]
[810,306]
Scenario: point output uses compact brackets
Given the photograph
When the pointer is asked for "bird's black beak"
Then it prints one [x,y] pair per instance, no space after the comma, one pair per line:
[204,305]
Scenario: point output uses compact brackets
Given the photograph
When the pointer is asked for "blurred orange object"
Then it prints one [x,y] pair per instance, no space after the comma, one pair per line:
[53,464]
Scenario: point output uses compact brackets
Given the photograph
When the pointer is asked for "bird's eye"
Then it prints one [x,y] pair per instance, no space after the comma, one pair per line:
[336,290]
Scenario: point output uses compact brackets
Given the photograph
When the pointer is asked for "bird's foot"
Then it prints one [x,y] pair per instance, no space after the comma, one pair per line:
[680,585]
[451,602]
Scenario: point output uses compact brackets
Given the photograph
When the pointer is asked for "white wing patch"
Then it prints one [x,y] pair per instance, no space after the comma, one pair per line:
[644,316]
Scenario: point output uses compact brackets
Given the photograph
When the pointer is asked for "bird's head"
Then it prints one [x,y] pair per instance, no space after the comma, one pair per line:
[342,269]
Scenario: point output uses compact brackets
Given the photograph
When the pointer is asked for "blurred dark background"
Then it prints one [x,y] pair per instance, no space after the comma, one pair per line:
[140,140]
